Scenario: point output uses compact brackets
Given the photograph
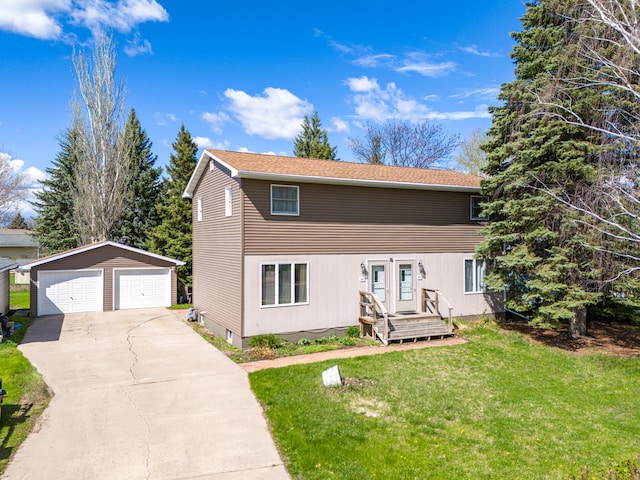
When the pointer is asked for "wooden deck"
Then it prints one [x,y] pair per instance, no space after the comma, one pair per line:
[405,326]
[414,326]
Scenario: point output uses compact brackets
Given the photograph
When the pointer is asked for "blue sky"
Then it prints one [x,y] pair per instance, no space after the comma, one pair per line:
[242,75]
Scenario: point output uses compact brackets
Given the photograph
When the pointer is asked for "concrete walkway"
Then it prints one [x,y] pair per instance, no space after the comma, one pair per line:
[347,353]
[139,395]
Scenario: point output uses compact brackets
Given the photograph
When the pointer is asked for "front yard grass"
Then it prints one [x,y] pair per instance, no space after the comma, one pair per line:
[27,394]
[498,406]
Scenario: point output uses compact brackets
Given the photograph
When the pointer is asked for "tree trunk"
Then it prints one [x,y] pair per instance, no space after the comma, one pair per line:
[578,324]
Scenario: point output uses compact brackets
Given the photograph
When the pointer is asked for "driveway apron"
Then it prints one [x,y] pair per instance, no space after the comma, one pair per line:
[139,395]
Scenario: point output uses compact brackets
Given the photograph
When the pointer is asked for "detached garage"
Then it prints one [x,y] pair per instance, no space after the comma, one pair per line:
[99,277]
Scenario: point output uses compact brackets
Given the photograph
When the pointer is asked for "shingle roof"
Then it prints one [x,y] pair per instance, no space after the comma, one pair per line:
[16,238]
[253,165]
[7,264]
[92,246]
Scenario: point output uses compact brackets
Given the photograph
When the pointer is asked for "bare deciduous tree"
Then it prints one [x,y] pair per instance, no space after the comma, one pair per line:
[13,189]
[104,168]
[609,44]
[403,144]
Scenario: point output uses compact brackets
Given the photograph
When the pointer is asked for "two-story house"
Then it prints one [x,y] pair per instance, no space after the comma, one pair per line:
[285,245]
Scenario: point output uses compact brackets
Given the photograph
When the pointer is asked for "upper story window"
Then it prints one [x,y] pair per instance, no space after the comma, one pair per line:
[228,202]
[476,207]
[199,209]
[285,200]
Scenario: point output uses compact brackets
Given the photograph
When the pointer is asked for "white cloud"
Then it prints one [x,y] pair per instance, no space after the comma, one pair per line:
[164,119]
[44,19]
[138,46]
[481,111]
[490,92]
[32,178]
[378,104]
[216,120]
[206,142]
[338,125]
[277,113]
[474,50]
[362,84]
[372,61]
[427,69]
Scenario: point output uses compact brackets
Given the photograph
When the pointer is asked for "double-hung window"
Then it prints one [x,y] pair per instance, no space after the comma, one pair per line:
[476,207]
[284,283]
[285,200]
[474,275]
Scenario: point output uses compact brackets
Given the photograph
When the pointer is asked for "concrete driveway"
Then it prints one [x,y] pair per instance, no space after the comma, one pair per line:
[139,395]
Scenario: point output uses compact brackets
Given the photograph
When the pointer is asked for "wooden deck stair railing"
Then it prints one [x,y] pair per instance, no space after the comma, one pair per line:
[431,301]
[371,310]
[401,326]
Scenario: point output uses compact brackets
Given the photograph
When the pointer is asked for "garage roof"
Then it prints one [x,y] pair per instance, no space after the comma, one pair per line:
[93,246]
[7,264]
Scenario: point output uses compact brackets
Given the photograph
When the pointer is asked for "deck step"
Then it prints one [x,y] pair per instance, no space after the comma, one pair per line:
[414,326]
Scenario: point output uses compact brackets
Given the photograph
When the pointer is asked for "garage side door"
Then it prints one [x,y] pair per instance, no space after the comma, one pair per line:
[69,291]
[144,288]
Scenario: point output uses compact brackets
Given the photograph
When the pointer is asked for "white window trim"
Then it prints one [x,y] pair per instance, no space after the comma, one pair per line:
[199,209]
[484,198]
[475,290]
[277,285]
[228,202]
[297,212]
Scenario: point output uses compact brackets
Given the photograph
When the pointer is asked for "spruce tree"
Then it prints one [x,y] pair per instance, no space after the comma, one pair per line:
[140,213]
[536,245]
[172,237]
[312,141]
[18,223]
[55,227]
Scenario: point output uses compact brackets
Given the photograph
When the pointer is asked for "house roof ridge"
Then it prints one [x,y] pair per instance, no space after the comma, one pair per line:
[287,168]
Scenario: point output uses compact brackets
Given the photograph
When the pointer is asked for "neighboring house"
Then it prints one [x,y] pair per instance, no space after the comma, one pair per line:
[15,244]
[284,245]
[6,265]
[100,277]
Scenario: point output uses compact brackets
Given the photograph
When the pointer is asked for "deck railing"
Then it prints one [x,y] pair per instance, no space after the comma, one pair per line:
[372,309]
[431,302]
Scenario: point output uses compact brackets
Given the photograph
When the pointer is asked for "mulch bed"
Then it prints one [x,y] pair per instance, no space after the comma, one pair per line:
[616,339]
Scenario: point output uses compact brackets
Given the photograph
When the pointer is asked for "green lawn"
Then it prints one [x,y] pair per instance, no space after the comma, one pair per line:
[496,407]
[27,395]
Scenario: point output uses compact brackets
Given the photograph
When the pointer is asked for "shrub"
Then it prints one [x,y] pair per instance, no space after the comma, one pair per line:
[333,338]
[348,341]
[304,341]
[321,340]
[266,340]
[352,331]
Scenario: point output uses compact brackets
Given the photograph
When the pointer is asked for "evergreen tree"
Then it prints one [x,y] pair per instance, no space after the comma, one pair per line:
[172,237]
[55,227]
[536,245]
[140,213]
[312,141]
[18,223]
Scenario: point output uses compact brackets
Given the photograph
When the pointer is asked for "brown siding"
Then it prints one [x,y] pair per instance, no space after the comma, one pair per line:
[107,258]
[217,253]
[347,219]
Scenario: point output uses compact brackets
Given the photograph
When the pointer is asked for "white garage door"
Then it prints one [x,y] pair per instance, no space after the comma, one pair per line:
[143,288]
[69,291]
